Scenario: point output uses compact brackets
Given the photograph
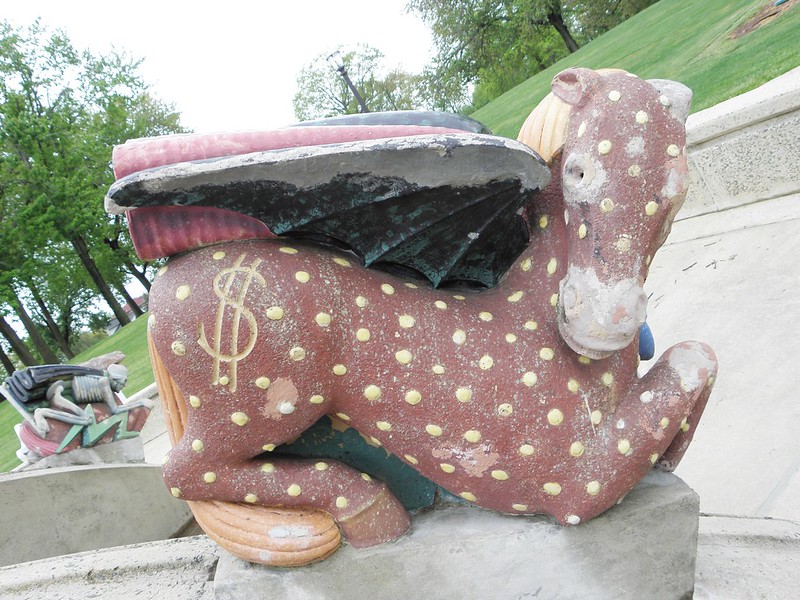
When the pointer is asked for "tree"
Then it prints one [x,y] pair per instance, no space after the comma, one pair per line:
[6,361]
[17,345]
[496,43]
[493,45]
[322,92]
[594,18]
[61,111]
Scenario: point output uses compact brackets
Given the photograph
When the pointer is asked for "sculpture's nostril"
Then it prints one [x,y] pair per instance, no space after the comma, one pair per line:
[641,307]
[631,311]
[569,296]
[569,299]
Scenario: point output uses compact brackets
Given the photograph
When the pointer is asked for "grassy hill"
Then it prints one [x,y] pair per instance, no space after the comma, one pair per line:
[686,40]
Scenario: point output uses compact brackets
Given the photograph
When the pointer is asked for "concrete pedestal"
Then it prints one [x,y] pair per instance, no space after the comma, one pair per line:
[129,451]
[643,548]
[49,512]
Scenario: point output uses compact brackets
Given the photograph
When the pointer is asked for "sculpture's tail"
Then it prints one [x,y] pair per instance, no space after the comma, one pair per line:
[243,529]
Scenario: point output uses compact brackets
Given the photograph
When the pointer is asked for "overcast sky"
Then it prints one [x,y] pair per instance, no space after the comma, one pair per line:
[231,65]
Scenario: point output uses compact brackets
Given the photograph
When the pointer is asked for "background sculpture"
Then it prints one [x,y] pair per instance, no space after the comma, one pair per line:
[66,407]
[522,398]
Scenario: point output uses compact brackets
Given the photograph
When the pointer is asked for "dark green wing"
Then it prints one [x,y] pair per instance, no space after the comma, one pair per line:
[446,206]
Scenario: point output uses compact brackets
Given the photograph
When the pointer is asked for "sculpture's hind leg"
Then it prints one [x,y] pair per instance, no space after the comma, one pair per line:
[365,509]
[218,458]
[244,529]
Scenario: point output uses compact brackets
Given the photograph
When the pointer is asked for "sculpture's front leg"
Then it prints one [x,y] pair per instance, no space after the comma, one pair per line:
[670,399]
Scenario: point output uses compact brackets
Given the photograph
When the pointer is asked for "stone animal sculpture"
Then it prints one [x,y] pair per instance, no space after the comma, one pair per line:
[523,398]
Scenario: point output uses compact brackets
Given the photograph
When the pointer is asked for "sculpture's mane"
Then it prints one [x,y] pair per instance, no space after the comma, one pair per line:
[546,127]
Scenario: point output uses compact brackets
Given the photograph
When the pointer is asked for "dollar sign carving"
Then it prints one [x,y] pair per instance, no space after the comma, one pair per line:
[231,301]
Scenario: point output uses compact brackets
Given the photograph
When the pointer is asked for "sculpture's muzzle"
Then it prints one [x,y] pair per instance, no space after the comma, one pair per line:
[597,318]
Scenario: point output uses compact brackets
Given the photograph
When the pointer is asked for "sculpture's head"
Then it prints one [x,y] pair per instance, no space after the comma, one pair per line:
[624,177]
[117,377]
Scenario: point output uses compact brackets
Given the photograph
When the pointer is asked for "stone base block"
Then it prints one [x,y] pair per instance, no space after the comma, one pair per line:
[119,452]
[643,548]
[164,570]
[49,512]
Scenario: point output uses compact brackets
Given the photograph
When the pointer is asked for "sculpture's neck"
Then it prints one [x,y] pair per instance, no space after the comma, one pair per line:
[543,263]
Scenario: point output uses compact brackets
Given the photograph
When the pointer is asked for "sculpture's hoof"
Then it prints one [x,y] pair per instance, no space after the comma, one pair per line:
[382,520]
[270,536]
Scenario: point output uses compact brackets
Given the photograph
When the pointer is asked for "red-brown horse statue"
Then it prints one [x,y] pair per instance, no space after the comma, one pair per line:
[523,398]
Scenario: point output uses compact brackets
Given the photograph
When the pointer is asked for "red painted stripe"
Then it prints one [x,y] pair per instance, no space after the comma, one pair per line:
[146,153]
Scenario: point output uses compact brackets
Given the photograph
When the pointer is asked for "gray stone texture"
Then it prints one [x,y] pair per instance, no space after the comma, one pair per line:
[166,570]
[739,291]
[643,548]
[121,451]
[71,509]
[745,149]
[737,559]
[747,559]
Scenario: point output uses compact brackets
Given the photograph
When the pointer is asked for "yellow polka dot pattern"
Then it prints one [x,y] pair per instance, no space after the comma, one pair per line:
[413,397]
[526,450]
[372,392]
[472,436]
[433,430]
[555,417]
[275,313]
[403,357]
[240,419]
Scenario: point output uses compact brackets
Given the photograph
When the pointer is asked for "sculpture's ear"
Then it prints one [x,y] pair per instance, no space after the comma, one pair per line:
[574,85]
[679,95]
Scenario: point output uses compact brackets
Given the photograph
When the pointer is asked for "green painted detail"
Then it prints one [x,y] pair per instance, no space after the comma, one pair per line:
[322,441]
[75,430]
[93,432]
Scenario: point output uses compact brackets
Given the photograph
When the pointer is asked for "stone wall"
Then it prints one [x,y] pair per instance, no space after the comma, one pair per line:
[746,149]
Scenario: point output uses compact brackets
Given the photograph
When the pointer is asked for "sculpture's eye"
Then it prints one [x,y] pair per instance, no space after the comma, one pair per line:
[579,175]
[574,170]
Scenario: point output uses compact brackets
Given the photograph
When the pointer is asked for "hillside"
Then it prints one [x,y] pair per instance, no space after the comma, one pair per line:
[697,43]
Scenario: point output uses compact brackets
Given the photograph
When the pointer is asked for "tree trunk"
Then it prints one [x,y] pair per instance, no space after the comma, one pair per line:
[130,301]
[17,344]
[556,20]
[7,364]
[50,321]
[140,275]
[79,244]
[47,354]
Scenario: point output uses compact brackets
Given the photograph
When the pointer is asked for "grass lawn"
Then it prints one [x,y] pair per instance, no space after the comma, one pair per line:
[684,40]
[131,340]
[8,440]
